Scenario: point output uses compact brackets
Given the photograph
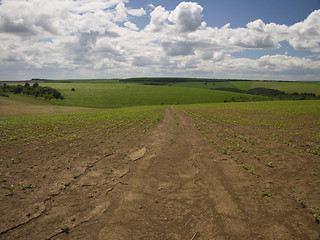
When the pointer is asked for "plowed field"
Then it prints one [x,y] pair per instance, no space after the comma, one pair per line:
[187,172]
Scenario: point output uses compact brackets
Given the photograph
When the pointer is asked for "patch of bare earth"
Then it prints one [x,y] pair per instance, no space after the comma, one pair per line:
[11,107]
[170,183]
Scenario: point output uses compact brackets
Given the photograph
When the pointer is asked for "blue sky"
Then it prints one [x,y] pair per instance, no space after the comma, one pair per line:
[217,13]
[238,13]
[251,39]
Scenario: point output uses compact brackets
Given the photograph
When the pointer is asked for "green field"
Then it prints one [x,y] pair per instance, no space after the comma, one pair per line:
[307,107]
[286,86]
[116,93]
[125,95]
[290,87]
[57,126]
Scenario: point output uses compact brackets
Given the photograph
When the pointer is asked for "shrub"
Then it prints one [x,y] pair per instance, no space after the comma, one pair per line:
[35,90]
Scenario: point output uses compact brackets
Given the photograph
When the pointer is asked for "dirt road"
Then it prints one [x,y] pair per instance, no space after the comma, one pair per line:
[170,185]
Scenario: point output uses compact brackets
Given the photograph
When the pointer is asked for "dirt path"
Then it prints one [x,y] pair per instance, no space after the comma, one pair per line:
[170,185]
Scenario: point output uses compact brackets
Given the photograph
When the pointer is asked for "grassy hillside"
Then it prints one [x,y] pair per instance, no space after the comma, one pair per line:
[115,93]
[125,95]
[290,87]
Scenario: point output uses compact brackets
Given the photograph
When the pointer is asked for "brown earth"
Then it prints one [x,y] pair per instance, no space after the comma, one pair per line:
[167,184]
[29,106]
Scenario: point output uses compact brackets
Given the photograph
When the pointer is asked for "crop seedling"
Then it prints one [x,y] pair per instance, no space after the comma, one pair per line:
[88,165]
[10,191]
[27,186]
[266,193]
[65,228]
[244,166]
[73,218]
[62,186]
[270,164]
[302,203]
[244,150]
[110,170]
[91,195]
[316,217]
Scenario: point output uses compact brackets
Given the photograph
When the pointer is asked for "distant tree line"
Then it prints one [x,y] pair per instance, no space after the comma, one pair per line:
[274,94]
[34,90]
[283,95]
[165,81]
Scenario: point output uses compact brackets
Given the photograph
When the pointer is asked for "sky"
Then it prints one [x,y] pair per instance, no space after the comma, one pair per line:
[81,39]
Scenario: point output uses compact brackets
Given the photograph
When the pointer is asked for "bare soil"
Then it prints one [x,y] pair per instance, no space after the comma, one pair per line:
[29,106]
[169,183]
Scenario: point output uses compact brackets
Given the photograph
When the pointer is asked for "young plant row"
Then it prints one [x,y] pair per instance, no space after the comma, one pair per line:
[276,147]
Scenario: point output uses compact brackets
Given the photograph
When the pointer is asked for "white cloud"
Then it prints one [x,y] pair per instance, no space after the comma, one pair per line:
[137,12]
[121,13]
[131,25]
[178,48]
[187,16]
[84,6]
[287,63]
[143,61]
[151,6]
[158,20]
[22,17]
[98,38]
[306,35]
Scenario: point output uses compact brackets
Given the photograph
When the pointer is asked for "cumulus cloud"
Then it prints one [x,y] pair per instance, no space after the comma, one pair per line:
[99,38]
[22,18]
[287,63]
[306,35]
[143,61]
[158,20]
[121,13]
[84,6]
[131,25]
[151,6]
[178,48]
[187,16]
[137,12]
